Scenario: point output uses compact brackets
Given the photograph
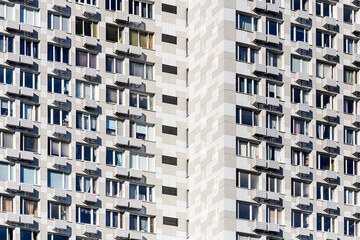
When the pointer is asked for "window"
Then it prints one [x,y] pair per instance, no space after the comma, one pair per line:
[299,95]
[300,189]
[247,85]
[141,223]
[349,15]
[6,42]
[299,33]
[350,136]
[57,237]
[58,180]
[114,158]
[29,16]
[114,219]
[325,162]
[247,180]
[350,45]
[28,111]
[247,117]
[324,70]
[86,28]
[58,211]
[114,188]
[58,117]
[28,143]
[28,235]
[58,54]
[85,184]
[114,95]
[29,48]
[350,76]
[324,100]
[350,106]
[299,65]
[6,140]
[273,215]
[143,9]
[247,211]
[114,127]
[29,80]
[325,223]
[350,166]
[85,215]
[140,192]
[6,171]
[86,90]
[85,59]
[6,108]
[273,59]
[273,184]
[6,206]
[28,175]
[141,39]
[113,5]
[273,121]
[7,12]
[273,90]
[325,131]
[273,28]
[142,131]
[142,162]
[90,2]
[140,100]
[302,5]
[350,227]
[324,39]
[273,153]
[247,23]
[58,148]
[324,9]
[85,153]
[58,22]
[142,70]
[114,65]
[300,158]
[29,207]
[300,219]
[6,233]
[58,85]
[299,126]
[246,54]
[6,75]
[350,196]
[247,149]
[114,33]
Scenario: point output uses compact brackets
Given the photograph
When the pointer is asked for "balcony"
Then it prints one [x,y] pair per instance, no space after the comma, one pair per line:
[59,4]
[330,236]
[303,201]
[302,233]
[121,203]
[90,167]
[12,89]
[12,154]
[27,156]
[260,226]
[90,136]
[273,196]
[12,57]
[12,218]
[135,235]
[272,102]
[60,225]
[121,110]
[273,165]
[59,194]
[272,39]
[329,53]
[272,227]
[329,175]
[135,204]
[26,124]
[302,170]
[59,68]
[120,79]
[135,143]
[258,101]
[27,188]
[302,139]
[90,198]
[12,122]
[259,163]
[12,186]
[271,70]
[258,68]
[272,133]
[89,42]
[330,206]
[356,181]
[59,131]
[272,8]
[120,17]
[356,150]
[121,172]
[90,104]
[121,234]
[302,108]
[12,25]
[356,58]
[136,51]
[121,48]
[302,46]
[356,120]
[259,37]
[356,211]
[134,80]
[259,5]
[329,114]
[258,195]
[90,230]
[330,145]
[89,11]
[356,90]
[259,131]
[60,162]
[27,219]
[122,141]
[329,22]
[26,92]
[302,15]
[135,112]
[26,28]
[356,28]
[26,60]
[89,73]
[135,173]
[136,19]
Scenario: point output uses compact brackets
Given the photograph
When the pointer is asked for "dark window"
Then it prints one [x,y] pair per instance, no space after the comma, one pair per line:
[169,130]
[169,160]
[169,69]
[169,8]
[169,191]
[169,39]
[169,99]
[170,221]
